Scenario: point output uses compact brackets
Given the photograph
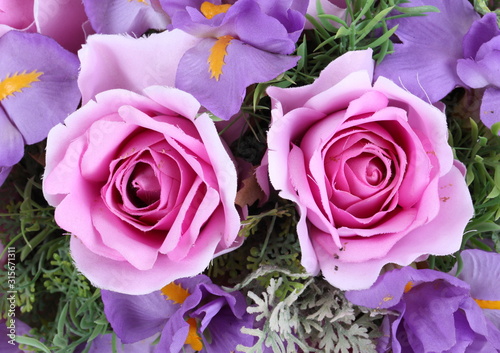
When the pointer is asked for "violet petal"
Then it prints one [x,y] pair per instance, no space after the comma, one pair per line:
[52,92]
[244,65]
[438,40]
[137,317]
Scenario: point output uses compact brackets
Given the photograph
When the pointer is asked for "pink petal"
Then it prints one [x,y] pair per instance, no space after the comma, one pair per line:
[335,72]
[138,248]
[423,118]
[283,130]
[121,276]
[118,61]
[65,21]
[225,172]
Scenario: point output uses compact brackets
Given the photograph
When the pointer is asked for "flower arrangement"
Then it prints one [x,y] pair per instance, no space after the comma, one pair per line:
[250,176]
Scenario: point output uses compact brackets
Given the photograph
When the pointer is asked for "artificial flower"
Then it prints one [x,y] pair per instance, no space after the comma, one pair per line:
[64,21]
[481,271]
[104,344]
[240,44]
[145,185]
[328,7]
[192,314]
[462,47]
[370,170]
[8,331]
[429,311]
[132,16]
[439,41]
[480,67]
[16,14]
[38,90]
[120,61]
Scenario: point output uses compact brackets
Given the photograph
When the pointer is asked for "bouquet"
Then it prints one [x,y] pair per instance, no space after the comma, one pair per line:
[250,176]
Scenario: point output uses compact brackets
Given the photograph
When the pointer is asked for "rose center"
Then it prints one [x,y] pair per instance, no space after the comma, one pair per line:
[375,172]
[143,187]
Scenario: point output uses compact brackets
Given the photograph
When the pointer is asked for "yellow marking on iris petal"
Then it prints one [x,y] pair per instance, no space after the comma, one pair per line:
[388,298]
[488,304]
[210,10]
[141,1]
[217,55]
[17,82]
[175,292]
[408,286]
[193,339]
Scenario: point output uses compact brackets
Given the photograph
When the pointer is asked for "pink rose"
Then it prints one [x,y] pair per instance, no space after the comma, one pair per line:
[16,14]
[63,20]
[371,172]
[146,187]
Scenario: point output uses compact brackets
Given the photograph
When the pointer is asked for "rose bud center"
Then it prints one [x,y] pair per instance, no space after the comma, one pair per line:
[143,187]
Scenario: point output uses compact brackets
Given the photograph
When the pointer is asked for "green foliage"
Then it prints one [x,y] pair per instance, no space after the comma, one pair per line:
[270,247]
[59,303]
[486,6]
[296,312]
[479,149]
[368,29]
[314,318]
[31,221]
[56,301]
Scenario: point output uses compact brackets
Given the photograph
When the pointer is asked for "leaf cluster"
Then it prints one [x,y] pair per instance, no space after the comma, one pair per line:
[314,318]
[365,26]
[487,6]
[479,149]
[52,297]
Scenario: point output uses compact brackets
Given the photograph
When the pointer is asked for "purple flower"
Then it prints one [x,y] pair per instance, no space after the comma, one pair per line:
[38,89]
[9,328]
[188,312]
[480,66]
[104,344]
[432,312]
[242,44]
[454,47]
[481,271]
[132,16]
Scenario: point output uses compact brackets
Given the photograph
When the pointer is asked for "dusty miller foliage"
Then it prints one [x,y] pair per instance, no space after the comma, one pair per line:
[316,318]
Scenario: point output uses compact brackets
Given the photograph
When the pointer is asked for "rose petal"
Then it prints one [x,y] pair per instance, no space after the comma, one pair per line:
[120,276]
[117,61]
[427,121]
[65,21]
[335,72]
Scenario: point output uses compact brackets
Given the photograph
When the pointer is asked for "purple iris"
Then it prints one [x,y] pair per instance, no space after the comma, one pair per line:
[38,90]
[481,271]
[430,311]
[480,67]
[9,328]
[191,313]
[440,51]
[104,344]
[244,42]
[132,16]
